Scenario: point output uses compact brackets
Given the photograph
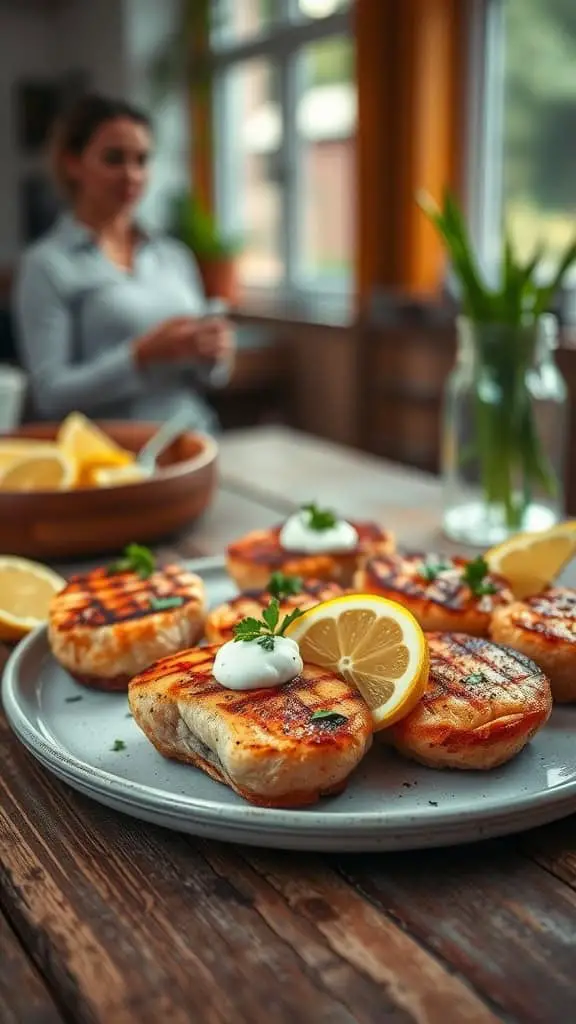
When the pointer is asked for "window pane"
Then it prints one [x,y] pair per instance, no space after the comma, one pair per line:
[326,123]
[539,120]
[235,20]
[251,138]
[321,8]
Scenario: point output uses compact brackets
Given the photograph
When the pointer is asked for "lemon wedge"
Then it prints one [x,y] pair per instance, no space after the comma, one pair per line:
[372,643]
[532,561]
[50,471]
[26,589]
[114,476]
[14,449]
[89,447]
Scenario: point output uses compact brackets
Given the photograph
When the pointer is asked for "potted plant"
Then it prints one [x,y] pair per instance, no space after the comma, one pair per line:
[215,252]
[505,402]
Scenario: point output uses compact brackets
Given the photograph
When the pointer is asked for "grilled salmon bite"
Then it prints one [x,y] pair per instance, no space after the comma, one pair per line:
[544,628]
[482,705]
[264,743]
[252,559]
[105,628]
[220,621]
[435,590]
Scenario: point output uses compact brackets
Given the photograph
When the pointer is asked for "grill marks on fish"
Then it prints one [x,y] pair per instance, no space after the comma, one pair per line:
[475,671]
[552,615]
[264,546]
[102,599]
[285,710]
[402,574]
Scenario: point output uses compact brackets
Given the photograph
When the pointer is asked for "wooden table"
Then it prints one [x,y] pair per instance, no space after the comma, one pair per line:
[108,920]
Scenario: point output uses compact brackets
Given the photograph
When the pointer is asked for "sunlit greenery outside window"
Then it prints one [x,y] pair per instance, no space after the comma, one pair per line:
[285,103]
[539,123]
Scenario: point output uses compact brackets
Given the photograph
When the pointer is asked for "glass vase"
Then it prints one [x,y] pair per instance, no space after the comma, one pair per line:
[504,432]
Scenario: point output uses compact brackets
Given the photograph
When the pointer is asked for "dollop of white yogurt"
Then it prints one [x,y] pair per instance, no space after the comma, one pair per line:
[298,535]
[247,665]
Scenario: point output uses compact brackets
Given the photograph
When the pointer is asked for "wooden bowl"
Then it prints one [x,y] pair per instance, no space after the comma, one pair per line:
[68,524]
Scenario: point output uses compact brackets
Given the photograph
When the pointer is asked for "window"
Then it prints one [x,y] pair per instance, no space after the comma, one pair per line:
[285,129]
[530,122]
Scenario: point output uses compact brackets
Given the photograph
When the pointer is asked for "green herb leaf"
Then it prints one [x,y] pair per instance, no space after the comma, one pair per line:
[280,585]
[73,700]
[431,570]
[118,745]
[329,717]
[319,519]
[136,558]
[265,629]
[160,604]
[475,678]
[266,641]
[475,574]
[271,614]
[287,620]
[248,629]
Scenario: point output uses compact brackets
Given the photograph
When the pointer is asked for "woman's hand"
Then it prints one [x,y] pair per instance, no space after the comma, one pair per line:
[185,338]
[215,340]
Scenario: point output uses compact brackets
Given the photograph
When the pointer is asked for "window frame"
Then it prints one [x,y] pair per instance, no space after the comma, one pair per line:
[281,42]
[484,165]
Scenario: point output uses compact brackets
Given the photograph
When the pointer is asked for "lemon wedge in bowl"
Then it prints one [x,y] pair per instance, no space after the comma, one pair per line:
[530,562]
[115,476]
[39,471]
[26,589]
[85,444]
[374,644]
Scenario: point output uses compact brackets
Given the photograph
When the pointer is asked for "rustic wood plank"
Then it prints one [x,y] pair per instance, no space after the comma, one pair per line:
[132,924]
[24,998]
[554,848]
[504,923]
[312,907]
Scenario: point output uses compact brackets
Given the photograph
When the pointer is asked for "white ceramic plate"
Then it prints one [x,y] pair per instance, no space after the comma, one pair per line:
[390,804]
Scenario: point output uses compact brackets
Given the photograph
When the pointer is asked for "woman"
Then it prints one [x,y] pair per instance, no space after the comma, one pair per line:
[110,317]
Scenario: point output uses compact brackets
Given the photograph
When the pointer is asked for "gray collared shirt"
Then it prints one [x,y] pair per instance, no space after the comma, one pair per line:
[77,315]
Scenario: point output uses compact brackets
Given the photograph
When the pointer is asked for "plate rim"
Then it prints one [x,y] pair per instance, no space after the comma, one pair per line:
[319,820]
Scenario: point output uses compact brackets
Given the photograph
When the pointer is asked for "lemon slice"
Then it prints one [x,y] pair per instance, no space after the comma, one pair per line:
[51,471]
[26,589]
[14,449]
[372,643]
[114,476]
[532,561]
[89,447]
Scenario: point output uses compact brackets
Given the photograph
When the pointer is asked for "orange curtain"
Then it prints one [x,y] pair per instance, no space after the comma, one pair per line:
[410,60]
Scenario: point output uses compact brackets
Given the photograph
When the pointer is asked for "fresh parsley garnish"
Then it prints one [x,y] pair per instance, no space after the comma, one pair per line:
[280,586]
[266,629]
[430,570]
[475,678]
[319,518]
[160,604]
[328,717]
[475,574]
[118,745]
[136,558]
[72,700]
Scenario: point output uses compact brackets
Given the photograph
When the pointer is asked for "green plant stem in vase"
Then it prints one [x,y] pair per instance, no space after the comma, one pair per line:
[505,402]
